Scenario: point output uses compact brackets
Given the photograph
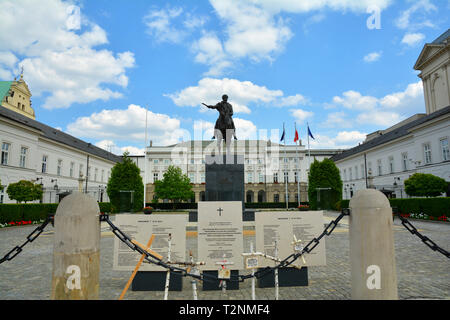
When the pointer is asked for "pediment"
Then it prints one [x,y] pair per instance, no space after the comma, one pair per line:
[427,53]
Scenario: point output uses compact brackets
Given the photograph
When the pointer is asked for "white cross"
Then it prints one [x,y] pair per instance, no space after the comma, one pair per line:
[298,247]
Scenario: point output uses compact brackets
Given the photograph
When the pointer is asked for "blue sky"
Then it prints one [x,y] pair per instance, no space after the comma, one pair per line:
[343,66]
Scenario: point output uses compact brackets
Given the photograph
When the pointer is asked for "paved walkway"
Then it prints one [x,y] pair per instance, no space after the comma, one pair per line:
[422,273]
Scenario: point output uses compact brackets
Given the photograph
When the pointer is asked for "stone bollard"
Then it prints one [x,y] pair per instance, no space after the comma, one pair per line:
[372,255]
[76,253]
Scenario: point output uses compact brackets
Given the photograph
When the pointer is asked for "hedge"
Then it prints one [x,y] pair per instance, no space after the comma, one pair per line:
[249,205]
[33,211]
[435,207]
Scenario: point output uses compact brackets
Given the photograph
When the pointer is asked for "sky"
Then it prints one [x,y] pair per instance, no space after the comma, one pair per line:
[345,67]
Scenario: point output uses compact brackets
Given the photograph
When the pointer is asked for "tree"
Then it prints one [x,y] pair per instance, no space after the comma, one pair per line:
[24,191]
[126,176]
[425,185]
[174,186]
[324,174]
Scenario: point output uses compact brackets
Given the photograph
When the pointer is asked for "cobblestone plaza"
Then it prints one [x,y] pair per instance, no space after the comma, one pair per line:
[422,273]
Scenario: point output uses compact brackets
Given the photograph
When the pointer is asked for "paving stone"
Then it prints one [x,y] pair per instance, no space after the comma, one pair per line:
[421,272]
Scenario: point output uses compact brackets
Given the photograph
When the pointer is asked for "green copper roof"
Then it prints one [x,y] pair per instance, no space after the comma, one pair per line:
[4,88]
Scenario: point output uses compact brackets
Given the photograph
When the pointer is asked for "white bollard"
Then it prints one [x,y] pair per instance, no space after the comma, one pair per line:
[372,255]
[76,253]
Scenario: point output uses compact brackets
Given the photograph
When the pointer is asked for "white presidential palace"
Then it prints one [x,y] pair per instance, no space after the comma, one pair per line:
[269,167]
[417,144]
[31,150]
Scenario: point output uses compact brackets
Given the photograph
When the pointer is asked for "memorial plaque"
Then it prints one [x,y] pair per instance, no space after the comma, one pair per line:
[140,227]
[305,225]
[220,234]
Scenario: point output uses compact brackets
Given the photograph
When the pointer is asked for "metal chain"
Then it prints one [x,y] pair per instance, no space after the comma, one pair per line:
[30,238]
[424,239]
[210,278]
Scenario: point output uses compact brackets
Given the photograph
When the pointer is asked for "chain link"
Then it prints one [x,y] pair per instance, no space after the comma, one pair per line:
[211,278]
[413,230]
[30,238]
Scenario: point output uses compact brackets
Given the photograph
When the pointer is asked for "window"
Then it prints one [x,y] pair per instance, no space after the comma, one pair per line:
[296,177]
[445,149]
[363,175]
[44,164]
[72,168]
[369,168]
[286,160]
[155,177]
[81,173]
[250,177]
[276,198]
[23,157]
[405,161]
[192,161]
[5,153]
[345,175]
[427,153]
[286,177]
[275,177]
[192,177]
[261,178]
[166,161]
[59,167]
[380,168]
[96,174]
[103,175]
[202,178]
[2,194]
[89,173]
[391,164]
[155,161]
[356,172]
[350,173]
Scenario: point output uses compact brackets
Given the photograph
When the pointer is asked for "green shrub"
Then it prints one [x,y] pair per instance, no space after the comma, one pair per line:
[435,207]
[26,212]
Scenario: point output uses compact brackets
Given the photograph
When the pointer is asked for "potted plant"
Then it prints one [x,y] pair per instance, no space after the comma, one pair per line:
[148,210]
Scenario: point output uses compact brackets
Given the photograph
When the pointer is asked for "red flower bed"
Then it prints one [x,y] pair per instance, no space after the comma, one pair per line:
[19,223]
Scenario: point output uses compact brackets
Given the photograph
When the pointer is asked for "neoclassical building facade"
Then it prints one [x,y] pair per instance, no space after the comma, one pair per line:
[33,151]
[267,165]
[420,143]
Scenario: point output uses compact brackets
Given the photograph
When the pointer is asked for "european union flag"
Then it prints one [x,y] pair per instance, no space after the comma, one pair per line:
[310,134]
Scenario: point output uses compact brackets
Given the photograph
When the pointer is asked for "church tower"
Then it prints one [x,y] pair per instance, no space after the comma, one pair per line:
[16,96]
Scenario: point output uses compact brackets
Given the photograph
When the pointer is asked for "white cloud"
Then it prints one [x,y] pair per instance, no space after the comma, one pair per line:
[292,101]
[343,140]
[160,25]
[241,94]
[209,51]
[301,115]
[110,146]
[413,39]
[379,118]
[337,120]
[372,57]
[58,60]
[421,6]
[356,101]
[411,98]
[128,125]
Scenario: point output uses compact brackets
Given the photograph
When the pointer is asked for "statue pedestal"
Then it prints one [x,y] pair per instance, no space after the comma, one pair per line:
[224,179]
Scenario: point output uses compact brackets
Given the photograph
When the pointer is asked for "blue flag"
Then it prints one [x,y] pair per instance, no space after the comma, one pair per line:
[310,134]
[282,136]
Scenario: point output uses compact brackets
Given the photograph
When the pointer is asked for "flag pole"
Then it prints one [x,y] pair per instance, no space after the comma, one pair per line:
[145,160]
[284,173]
[298,164]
